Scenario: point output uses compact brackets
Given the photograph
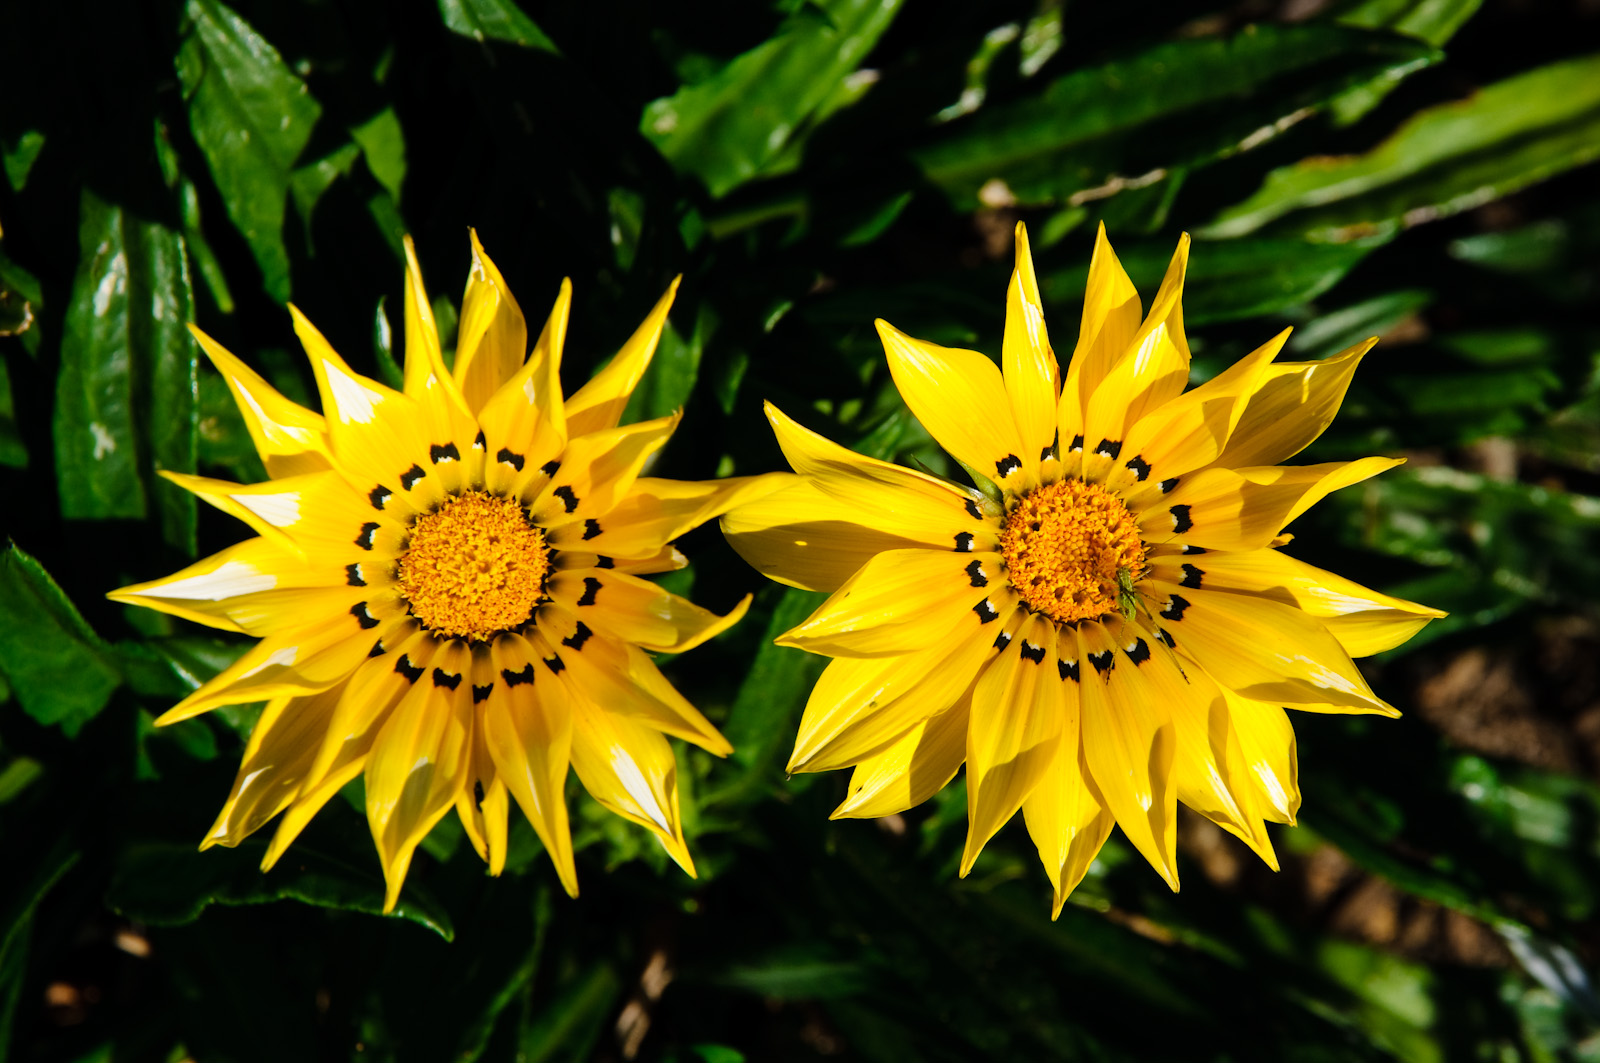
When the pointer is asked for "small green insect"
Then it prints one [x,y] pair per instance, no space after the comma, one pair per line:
[1130,605]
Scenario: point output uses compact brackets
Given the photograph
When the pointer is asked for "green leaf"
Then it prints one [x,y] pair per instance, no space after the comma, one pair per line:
[500,20]
[307,183]
[726,129]
[30,886]
[1332,332]
[169,884]
[1101,129]
[17,158]
[127,393]
[251,117]
[12,450]
[21,303]
[1431,21]
[571,1020]
[384,146]
[1442,161]
[57,667]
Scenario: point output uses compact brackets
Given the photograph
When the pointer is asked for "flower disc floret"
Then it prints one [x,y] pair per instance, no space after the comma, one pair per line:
[1063,545]
[474,567]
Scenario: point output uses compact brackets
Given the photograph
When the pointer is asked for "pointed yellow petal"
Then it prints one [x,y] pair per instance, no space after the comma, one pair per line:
[290,438]
[859,707]
[960,398]
[1364,621]
[595,471]
[276,761]
[1266,741]
[226,589]
[630,769]
[1111,313]
[524,423]
[1266,650]
[1128,744]
[528,727]
[801,537]
[912,770]
[1065,818]
[493,335]
[599,403]
[1295,402]
[419,764]
[900,602]
[654,511]
[640,612]
[1019,710]
[1245,509]
[1032,378]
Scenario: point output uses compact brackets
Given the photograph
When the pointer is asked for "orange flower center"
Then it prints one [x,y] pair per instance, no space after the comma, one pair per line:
[1069,548]
[474,567]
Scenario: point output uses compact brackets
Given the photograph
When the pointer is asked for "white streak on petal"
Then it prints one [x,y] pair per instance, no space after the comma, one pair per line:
[233,578]
[634,782]
[279,658]
[354,401]
[280,510]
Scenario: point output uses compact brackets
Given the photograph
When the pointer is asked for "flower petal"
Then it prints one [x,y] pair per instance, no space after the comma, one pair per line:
[524,423]
[1032,378]
[899,602]
[215,590]
[638,611]
[1265,650]
[1294,403]
[1364,621]
[528,726]
[492,339]
[599,404]
[960,398]
[419,764]
[913,769]
[1111,314]
[1065,818]
[801,537]
[654,511]
[290,438]
[1019,711]
[596,471]
[1266,741]
[630,769]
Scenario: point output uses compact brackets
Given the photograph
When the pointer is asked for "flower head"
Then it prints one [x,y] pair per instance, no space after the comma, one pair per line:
[446,586]
[1105,626]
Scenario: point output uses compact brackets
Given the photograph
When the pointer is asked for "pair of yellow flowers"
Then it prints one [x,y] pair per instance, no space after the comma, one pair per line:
[447,585]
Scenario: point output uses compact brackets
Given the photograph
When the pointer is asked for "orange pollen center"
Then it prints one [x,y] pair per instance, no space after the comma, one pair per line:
[1064,544]
[474,567]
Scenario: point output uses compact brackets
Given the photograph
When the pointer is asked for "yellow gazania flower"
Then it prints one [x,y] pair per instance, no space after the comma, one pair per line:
[446,588]
[1107,628]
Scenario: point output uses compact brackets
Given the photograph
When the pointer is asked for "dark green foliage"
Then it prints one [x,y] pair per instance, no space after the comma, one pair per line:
[1416,169]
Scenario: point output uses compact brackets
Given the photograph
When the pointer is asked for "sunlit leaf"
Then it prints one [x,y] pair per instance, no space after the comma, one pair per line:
[55,664]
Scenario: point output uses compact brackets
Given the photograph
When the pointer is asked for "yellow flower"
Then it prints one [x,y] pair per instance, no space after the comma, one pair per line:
[447,589]
[1105,628]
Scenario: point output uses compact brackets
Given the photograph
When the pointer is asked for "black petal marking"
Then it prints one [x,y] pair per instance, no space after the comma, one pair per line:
[1175,608]
[1102,661]
[1191,577]
[1164,636]
[591,587]
[477,793]
[963,542]
[1077,445]
[1053,449]
[479,693]
[364,540]
[1068,669]
[379,495]
[1002,640]
[1180,520]
[1167,485]
[1139,651]
[1111,448]
[578,637]
[409,478]
[412,672]
[352,575]
[602,561]
[363,617]
[555,664]
[986,611]
[514,678]
[1189,549]
[507,457]
[975,571]
[448,452]
[591,528]
[1007,465]
[442,678]
[377,649]
[549,468]
[568,498]
[1031,652]
[972,508]
[1140,467]
[480,443]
